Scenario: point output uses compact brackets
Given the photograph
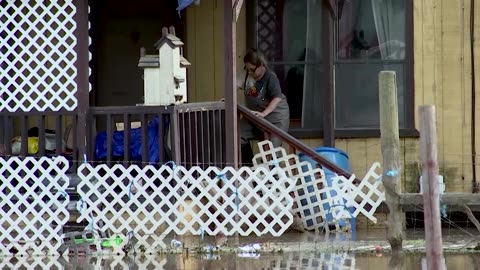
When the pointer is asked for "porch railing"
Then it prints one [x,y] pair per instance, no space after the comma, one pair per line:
[189,134]
[17,127]
[124,126]
[201,130]
[295,145]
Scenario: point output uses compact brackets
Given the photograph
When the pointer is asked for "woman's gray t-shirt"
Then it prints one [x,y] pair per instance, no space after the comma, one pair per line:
[261,93]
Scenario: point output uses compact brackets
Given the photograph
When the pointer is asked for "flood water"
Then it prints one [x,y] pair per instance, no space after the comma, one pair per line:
[287,261]
[291,251]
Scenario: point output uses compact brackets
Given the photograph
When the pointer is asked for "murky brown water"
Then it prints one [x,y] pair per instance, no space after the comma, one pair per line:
[285,261]
[291,251]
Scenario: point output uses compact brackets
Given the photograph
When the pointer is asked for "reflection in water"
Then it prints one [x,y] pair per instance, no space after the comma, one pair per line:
[262,261]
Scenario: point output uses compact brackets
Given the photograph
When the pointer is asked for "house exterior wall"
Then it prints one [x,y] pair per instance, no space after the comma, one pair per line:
[442,73]
[205,50]
[443,78]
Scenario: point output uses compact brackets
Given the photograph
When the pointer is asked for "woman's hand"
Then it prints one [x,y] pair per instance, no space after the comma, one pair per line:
[259,114]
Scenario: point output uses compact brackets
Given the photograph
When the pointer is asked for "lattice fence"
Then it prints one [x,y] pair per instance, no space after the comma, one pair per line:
[33,205]
[363,199]
[311,199]
[142,205]
[37,56]
[317,203]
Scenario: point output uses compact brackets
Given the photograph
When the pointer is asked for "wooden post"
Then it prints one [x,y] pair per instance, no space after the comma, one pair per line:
[229,33]
[230,61]
[327,75]
[83,95]
[390,144]
[431,199]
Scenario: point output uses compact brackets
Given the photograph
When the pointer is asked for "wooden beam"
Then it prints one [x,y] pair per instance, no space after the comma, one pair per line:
[82,95]
[431,202]
[471,216]
[327,75]
[450,199]
[263,124]
[229,33]
[390,144]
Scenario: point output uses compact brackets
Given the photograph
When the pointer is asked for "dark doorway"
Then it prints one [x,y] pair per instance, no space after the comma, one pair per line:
[119,28]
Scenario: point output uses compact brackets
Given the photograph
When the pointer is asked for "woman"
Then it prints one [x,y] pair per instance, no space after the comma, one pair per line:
[264,97]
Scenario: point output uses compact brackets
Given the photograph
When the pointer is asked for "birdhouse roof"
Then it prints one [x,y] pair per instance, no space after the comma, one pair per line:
[169,38]
[149,61]
[184,62]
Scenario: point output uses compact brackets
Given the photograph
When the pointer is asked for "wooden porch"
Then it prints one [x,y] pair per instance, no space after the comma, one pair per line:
[188,134]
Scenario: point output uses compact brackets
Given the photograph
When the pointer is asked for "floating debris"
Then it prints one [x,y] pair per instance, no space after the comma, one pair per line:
[249,255]
[175,243]
[251,248]
[210,248]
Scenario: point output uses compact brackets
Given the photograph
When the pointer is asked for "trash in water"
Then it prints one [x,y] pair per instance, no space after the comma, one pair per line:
[175,243]
[251,248]
[210,248]
[114,241]
[249,255]
[211,257]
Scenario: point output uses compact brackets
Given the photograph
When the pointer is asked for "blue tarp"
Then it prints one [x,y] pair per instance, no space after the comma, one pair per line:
[182,4]
[135,143]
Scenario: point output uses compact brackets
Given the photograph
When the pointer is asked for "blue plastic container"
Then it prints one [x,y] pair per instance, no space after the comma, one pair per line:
[336,156]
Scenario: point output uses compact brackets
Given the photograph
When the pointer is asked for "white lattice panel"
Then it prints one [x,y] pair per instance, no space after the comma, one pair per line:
[33,205]
[315,202]
[37,55]
[364,198]
[312,197]
[147,203]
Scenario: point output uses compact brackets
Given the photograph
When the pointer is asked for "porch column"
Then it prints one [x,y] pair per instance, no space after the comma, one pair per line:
[81,32]
[231,127]
[328,14]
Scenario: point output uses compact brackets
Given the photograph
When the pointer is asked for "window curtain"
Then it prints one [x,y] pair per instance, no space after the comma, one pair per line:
[346,25]
[312,97]
[389,16]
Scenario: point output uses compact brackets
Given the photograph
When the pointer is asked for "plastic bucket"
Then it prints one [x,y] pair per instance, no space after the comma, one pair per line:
[337,157]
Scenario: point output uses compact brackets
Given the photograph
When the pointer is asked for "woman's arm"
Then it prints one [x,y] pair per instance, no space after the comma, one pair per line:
[270,108]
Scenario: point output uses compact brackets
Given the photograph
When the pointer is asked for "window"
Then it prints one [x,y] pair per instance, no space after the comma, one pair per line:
[288,33]
[370,37]
[366,36]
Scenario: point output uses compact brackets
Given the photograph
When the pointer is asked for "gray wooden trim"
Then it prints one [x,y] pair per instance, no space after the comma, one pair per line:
[230,60]
[328,51]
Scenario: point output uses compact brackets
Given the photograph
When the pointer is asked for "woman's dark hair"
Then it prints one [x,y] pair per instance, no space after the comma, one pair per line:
[255,58]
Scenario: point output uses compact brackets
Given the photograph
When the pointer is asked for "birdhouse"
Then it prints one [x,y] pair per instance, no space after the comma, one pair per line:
[165,74]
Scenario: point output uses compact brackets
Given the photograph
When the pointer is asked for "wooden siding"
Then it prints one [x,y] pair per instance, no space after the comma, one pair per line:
[204,49]
[442,78]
